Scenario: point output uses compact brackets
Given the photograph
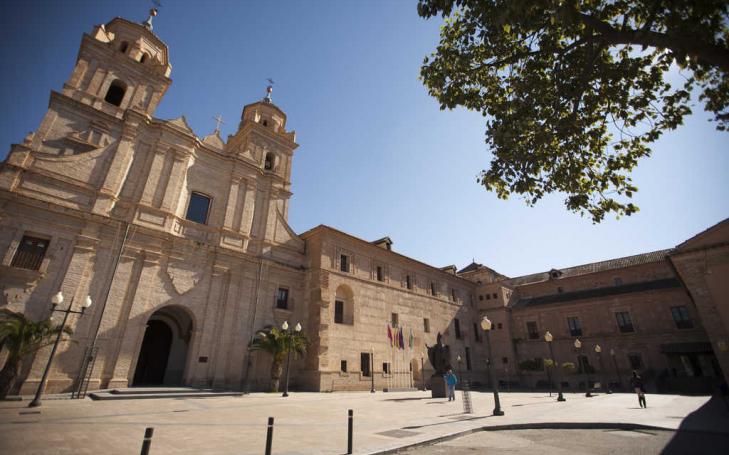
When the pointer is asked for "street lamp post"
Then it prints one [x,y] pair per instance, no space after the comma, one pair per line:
[548,338]
[372,369]
[578,346]
[617,372]
[459,360]
[422,372]
[297,329]
[56,300]
[486,326]
[606,386]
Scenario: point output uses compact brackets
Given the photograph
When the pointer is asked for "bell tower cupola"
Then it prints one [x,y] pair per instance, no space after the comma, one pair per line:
[121,65]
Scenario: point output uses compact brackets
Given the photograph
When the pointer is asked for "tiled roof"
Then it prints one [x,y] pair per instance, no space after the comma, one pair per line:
[667,283]
[585,269]
[470,267]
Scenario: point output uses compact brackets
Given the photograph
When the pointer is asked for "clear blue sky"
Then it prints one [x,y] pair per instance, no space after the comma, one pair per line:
[377,156]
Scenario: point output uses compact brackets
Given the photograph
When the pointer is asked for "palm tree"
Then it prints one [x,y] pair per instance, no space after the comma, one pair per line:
[22,336]
[278,343]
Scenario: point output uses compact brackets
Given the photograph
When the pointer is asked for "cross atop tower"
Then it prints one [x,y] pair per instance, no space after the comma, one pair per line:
[148,23]
[218,121]
[269,90]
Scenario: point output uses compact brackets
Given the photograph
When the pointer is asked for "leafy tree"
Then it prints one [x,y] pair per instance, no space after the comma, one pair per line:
[22,337]
[278,343]
[531,365]
[574,92]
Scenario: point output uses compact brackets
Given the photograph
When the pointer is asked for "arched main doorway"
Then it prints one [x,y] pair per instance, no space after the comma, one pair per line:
[163,355]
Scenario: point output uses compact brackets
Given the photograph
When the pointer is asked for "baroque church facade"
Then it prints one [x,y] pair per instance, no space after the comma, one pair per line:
[183,244]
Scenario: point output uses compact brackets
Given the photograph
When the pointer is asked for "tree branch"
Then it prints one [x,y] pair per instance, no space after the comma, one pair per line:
[706,53]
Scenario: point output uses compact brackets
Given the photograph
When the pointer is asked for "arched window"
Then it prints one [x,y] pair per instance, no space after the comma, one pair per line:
[269,162]
[265,122]
[143,58]
[116,92]
[123,47]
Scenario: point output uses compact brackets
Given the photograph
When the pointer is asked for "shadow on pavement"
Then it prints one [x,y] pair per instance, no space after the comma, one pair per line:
[415,427]
[704,431]
[409,399]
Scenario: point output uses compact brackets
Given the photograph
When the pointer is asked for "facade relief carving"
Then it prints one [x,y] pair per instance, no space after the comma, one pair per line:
[185,274]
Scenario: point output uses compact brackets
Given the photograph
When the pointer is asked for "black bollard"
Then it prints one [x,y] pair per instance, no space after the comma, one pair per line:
[350,431]
[147,440]
[269,436]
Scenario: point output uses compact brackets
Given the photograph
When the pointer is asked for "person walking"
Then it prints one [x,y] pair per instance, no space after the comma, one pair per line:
[637,383]
[451,381]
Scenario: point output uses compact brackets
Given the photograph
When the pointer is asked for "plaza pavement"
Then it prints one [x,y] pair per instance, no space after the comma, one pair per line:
[313,423]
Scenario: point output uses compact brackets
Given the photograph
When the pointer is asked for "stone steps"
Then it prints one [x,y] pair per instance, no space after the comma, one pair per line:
[146,393]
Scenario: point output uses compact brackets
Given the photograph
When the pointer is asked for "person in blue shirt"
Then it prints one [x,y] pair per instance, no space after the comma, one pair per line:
[451,381]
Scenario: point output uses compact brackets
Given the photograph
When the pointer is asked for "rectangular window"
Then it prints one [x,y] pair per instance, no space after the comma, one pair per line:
[343,366]
[426,325]
[30,253]
[504,360]
[394,320]
[457,326]
[432,289]
[494,295]
[636,362]
[499,326]
[338,312]
[624,323]
[488,296]
[468,359]
[364,364]
[574,326]
[476,332]
[532,331]
[282,299]
[408,282]
[681,317]
[344,263]
[386,367]
[198,208]
[380,274]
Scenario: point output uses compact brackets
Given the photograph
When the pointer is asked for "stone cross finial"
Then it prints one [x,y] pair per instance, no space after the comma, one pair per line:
[218,121]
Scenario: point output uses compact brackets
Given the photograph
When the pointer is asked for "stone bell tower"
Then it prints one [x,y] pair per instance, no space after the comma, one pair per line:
[85,142]
[121,66]
[263,140]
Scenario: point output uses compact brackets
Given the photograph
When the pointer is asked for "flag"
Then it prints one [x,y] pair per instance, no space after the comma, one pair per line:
[389,334]
[411,338]
[402,341]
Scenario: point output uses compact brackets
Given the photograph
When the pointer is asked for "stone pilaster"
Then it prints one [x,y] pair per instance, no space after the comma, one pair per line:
[232,203]
[155,171]
[117,172]
[172,192]
[133,335]
[249,206]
